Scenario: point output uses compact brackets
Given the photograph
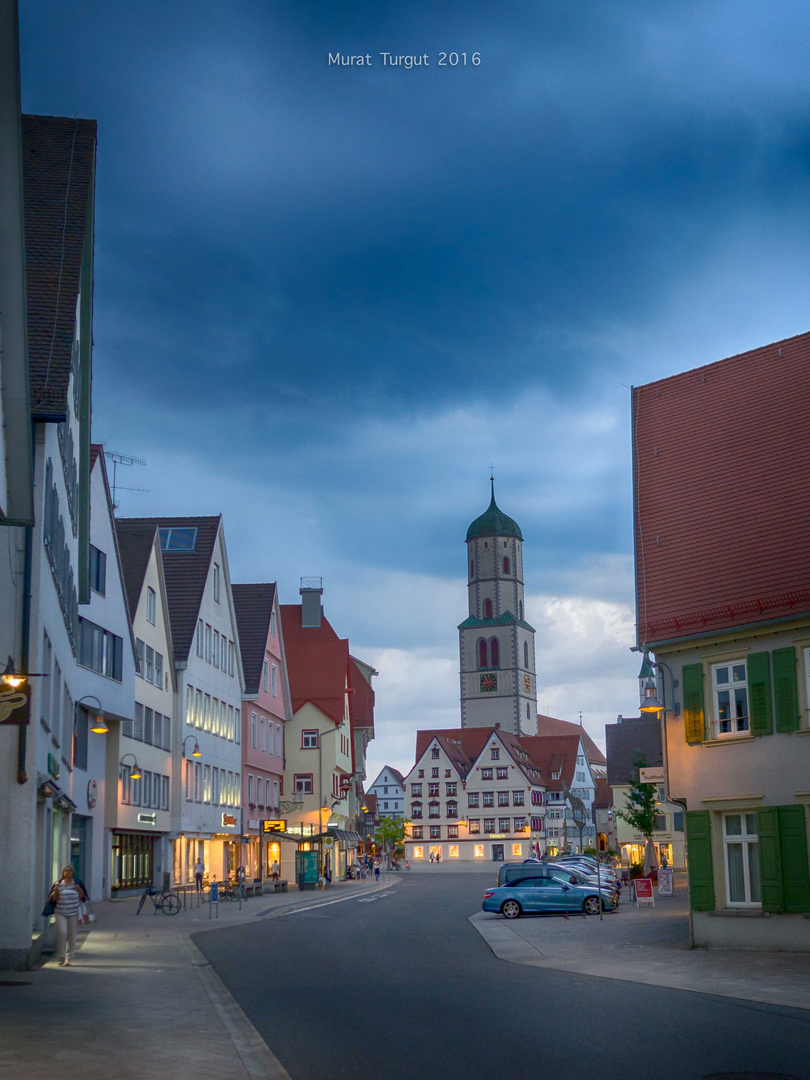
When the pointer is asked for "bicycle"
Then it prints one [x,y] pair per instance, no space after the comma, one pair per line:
[167,902]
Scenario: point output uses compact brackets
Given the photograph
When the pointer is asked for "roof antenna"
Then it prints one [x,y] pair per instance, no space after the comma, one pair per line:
[122,459]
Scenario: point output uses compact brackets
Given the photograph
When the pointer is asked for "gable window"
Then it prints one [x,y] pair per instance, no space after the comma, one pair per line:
[730,691]
[434,753]
[486,774]
[98,571]
[309,739]
[150,605]
[178,539]
[434,773]
[741,849]
[495,753]
[216,582]
[422,774]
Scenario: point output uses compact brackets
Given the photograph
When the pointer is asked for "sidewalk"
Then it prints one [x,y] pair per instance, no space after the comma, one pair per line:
[141,1001]
[648,945]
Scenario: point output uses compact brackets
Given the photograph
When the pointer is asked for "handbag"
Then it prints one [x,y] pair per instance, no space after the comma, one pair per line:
[82,916]
[50,907]
[88,907]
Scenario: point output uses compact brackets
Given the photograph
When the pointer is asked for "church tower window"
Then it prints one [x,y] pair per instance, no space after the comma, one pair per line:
[494,653]
[506,564]
[482,653]
[526,655]
[487,608]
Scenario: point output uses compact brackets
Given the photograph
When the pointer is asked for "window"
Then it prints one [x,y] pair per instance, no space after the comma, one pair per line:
[434,810]
[215,650]
[98,571]
[164,793]
[474,825]
[452,809]
[472,568]
[494,753]
[197,781]
[434,773]
[435,832]
[433,790]
[223,652]
[199,637]
[526,655]
[309,741]
[494,653]
[741,844]
[478,851]
[520,824]
[434,753]
[419,852]
[253,731]
[506,567]
[216,583]
[517,798]
[486,774]
[451,789]
[416,810]
[452,834]
[730,689]
[262,733]
[190,781]
[158,670]
[504,824]
[537,798]
[482,653]
[206,712]
[251,799]
[487,609]
[502,773]
[198,708]
[503,798]
[302,783]
[273,680]
[537,824]
[231,657]
[178,539]
[147,726]
[273,623]
[100,650]
[80,730]
[208,639]
[472,799]
[422,774]
[489,798]
[417,832]
[150,605]
[266,675]
[489,824]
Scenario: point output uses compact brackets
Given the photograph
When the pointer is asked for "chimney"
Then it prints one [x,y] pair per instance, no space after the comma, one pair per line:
[311,591]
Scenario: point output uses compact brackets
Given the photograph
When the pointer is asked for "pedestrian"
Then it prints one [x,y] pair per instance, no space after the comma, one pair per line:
[438,856]
[376,871]
[199,870]
[274,870]
[431,856]
[66,895]
[240,878]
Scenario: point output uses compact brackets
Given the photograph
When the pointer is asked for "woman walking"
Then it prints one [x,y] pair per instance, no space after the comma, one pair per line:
[66,895]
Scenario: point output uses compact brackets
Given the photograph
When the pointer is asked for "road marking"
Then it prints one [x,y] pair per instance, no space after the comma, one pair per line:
[371,899]
[323,903]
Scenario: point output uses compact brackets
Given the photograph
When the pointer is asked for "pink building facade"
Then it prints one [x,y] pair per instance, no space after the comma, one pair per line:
[265,711]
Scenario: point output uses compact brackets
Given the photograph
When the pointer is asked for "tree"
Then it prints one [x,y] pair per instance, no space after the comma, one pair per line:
[641,810]
[390,833]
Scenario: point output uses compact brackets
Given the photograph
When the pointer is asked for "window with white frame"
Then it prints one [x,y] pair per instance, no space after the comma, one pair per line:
[216,582]
[302,783]
[273,680]
[741,849]
[730,692]
[309,739]
[199,637]
[150,605]
[215,651]
[262,733]
[272,623]
[266,675]
[253,731]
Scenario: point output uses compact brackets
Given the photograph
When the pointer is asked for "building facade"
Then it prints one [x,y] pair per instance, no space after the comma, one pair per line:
[389,792]
[722,528]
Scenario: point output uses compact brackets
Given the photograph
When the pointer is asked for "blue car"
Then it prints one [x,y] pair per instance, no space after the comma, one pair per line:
[545,895]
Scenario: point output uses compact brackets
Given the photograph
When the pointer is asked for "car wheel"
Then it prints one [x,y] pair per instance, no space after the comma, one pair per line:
[510,909]
[592,905]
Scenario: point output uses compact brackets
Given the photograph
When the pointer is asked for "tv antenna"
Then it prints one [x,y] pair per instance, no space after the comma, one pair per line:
[122,459]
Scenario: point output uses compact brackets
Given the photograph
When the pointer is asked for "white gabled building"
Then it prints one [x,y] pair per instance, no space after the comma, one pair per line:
[389,789]
[206,794]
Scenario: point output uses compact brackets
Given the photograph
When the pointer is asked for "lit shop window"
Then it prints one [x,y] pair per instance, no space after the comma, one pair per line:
[478,851]
[419,852]
[454,851]
[517,850]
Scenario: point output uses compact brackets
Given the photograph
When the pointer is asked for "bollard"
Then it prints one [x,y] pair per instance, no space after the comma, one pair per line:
[214,898]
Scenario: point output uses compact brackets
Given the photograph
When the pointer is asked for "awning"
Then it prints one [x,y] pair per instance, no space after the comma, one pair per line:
[346,835]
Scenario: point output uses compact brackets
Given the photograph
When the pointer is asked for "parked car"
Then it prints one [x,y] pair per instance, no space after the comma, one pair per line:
[511,872]
[545,894]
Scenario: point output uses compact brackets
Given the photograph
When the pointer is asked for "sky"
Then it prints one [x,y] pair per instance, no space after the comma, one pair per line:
[329,297]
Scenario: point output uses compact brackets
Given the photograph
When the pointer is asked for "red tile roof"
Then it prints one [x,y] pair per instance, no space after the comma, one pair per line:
[553,753]
[361,702]
[317,663]
[464,746]
[186,573]
[135,541]
[721,464]
[550,725]
[59,161]
[253,605]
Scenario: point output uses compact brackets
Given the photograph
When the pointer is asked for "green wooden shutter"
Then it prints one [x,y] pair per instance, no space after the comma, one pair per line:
[793,850]
[786,691]
[759,684]
[693,708]
[699,851]
[770,860]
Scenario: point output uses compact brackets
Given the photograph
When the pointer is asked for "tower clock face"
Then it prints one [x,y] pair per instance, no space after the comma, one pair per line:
[527,683]
[489,683]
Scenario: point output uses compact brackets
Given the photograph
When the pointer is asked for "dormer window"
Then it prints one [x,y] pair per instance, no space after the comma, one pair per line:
[434,753]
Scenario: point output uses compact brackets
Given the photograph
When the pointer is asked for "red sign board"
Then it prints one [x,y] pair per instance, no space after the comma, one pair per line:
[644,888]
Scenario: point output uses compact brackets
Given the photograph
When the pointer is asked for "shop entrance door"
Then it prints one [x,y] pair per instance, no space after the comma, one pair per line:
[497,852]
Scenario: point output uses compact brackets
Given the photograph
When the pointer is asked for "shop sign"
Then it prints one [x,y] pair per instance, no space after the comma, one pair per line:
[660,837]
[653,774]
[666,884]
[53,767]
[15,705]
[147,819]
[228,821]
[279,825]
[644,890]
[92,794]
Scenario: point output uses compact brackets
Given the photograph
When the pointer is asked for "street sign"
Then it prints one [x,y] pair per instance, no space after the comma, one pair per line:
[666,885]
[644,891]
[653,774]
[328,841]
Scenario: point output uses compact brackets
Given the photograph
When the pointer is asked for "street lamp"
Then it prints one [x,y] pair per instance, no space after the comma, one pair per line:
[134,771]
[196,752]
[333,731]
[99,726]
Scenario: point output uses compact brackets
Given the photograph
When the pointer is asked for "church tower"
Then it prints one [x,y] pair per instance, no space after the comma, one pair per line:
[496,644]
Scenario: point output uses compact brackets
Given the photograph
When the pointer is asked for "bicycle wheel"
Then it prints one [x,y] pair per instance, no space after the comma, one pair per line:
[170,904]
[142,902]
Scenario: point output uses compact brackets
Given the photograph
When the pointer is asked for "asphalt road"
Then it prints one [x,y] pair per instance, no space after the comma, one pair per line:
[400,986]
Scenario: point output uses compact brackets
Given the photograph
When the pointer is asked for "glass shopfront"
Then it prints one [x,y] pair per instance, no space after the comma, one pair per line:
[132,860]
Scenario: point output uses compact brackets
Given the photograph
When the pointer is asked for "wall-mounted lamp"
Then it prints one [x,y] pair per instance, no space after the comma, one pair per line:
[134,771]
[195,752]
[98,725]
[13,678]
